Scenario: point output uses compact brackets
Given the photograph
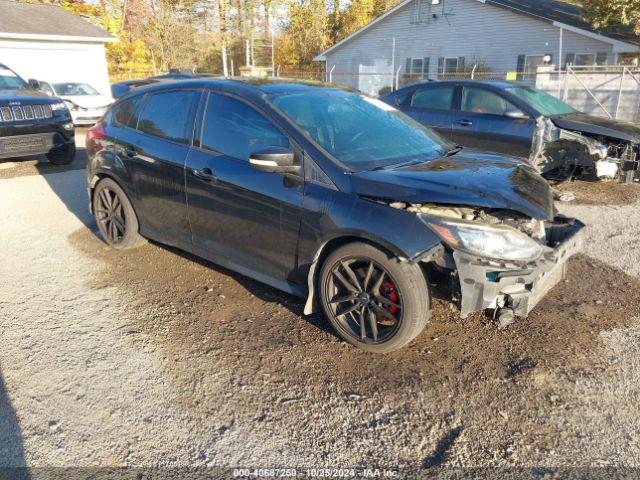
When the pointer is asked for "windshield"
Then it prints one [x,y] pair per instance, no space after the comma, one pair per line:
[11,81]
[546,104]
[74,89]
[361,132]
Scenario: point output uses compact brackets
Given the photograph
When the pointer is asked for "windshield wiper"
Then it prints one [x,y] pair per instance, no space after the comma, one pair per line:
[395,165]
[453,151]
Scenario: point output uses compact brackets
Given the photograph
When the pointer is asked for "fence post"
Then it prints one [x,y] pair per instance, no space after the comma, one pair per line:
[624,70]
[590,93]
[331,73]
[566,83]
[397,75]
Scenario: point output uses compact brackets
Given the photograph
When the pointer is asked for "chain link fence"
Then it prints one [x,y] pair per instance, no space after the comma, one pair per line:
[611,91]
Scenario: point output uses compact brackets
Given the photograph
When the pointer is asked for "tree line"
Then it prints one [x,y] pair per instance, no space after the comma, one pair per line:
[219,36]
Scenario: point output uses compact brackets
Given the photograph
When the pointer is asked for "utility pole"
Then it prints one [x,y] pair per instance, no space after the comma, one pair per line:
[273,54]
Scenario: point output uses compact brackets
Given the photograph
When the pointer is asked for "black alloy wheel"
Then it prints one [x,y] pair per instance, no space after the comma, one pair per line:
[373,299]
[114,214]
[364,299]
[110,215]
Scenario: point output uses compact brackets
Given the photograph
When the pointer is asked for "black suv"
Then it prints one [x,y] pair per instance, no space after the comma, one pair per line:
[33,123]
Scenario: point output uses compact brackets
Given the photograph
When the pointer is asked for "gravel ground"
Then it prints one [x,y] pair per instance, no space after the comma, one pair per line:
[156,358]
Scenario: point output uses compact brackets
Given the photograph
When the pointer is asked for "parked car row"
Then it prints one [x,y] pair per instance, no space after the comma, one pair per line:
[519,120]
[121,88]
[330,195]
[85,103]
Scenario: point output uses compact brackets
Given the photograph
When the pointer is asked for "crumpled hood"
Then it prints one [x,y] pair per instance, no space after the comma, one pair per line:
[581,122]
[89,101]
[469,178]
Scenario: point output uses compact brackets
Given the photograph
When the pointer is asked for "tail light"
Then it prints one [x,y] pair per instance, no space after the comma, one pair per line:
[95,137]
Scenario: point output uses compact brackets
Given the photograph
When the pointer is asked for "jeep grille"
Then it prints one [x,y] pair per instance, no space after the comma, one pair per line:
[25,112]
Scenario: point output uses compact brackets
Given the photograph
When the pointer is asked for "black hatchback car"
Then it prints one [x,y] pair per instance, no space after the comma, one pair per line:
[330,195]
[517,119]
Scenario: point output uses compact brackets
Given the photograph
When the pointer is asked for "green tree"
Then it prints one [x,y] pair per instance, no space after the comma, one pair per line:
[612,13]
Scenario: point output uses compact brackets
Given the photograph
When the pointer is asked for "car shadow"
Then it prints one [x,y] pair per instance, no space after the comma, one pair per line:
[12,460]
[266,293]
[70,187]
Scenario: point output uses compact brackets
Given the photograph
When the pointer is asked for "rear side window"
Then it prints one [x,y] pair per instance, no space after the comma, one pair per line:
[436,98]
[479,100]
[233,128]
[168,115]
[124,113]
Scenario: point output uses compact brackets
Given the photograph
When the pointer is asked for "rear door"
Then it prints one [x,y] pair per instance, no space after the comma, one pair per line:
[156,161]
[481,123]
[249,218]
[432,105]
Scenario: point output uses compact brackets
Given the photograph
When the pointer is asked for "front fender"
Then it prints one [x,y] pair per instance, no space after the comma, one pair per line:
[331,215]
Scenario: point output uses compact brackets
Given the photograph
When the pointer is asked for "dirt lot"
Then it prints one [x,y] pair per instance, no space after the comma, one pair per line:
[156,358]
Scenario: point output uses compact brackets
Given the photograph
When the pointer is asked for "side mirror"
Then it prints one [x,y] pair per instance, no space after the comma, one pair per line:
[516,114]
[274,159]
[34,84]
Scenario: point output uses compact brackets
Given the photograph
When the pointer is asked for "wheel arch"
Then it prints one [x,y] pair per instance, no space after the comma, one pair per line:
[102,173]
[331,245]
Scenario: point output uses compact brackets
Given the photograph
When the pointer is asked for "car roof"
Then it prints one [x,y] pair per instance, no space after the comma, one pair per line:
[247,85]
[500,84]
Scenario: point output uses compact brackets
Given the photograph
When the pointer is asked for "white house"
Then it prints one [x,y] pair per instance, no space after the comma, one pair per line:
[430,38]
[47,42]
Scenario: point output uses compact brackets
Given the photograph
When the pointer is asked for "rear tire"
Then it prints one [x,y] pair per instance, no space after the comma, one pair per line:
[390,297]
[114,214]
[63,158]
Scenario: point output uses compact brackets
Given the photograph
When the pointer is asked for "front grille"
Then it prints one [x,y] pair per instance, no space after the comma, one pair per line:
[26,112]
[17,113]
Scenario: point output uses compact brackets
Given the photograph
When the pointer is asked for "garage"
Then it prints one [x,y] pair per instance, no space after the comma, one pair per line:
[31,43]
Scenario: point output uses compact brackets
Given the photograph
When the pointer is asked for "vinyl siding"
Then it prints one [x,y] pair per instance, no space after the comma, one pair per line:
[469,29]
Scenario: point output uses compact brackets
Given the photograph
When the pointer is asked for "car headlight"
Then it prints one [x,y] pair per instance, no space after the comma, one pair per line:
[499,242]
[70,105]
[58,106]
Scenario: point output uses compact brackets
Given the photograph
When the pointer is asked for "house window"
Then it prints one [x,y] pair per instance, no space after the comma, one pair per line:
[532,62]
[451,65]
[585,59]
[602,58]
[417,67]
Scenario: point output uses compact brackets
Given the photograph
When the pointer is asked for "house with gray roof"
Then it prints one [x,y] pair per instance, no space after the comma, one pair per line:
[47,42]
[421,39]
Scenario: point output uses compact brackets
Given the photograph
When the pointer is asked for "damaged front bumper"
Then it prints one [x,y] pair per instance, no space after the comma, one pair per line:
[490,284]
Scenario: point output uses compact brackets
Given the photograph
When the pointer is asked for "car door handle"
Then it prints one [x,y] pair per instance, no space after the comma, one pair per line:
[465,123]
[205,174]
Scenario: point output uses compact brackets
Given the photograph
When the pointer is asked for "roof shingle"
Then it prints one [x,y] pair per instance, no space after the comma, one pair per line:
[566,13]
[43,19]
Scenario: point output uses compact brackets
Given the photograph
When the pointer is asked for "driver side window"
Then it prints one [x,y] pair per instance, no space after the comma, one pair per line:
[234,129]
[479,100]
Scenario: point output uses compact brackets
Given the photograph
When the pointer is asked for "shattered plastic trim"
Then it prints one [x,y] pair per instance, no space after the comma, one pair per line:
[519,287]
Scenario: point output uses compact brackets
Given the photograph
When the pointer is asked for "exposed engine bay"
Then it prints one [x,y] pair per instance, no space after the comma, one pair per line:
[561,154]
[507,287]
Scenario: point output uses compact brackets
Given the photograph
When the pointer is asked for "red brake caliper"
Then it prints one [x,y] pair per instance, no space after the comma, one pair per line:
[389,291]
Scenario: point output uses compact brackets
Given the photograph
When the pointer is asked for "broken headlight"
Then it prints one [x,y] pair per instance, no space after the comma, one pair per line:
[499,242]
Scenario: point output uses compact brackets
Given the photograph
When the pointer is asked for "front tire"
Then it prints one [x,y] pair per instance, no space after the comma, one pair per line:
[114,214]
[372,299]
[65,157]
